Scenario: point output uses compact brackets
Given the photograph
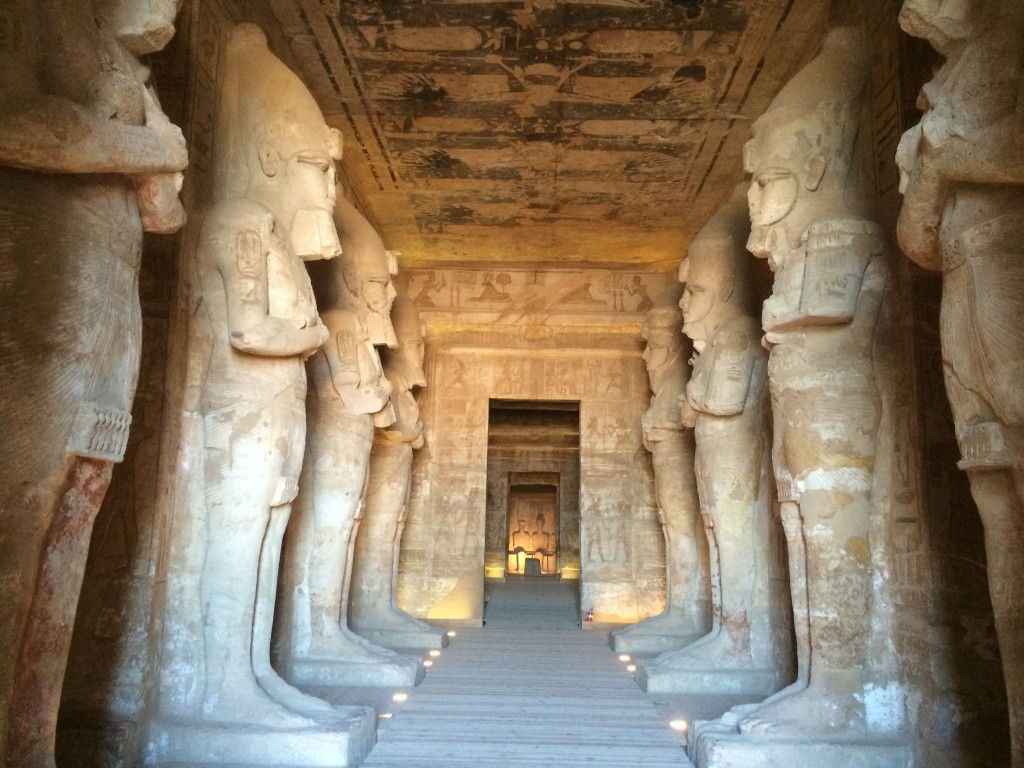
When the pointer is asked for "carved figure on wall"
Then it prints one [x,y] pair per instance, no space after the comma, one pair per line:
[88,161]
[809,209]
[348,395]
[726,403]
[963,214]
[686,615]
[373,604]
[253,322]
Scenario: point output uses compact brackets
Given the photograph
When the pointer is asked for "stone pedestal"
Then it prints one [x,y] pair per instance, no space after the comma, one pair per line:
[192,743]
[652,641]
[655,677]
[413,636]
[397,671]
[715,745]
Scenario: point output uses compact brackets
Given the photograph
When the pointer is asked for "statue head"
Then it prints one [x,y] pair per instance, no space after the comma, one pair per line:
[802,155]
[142,26]
[366,272]
[273,145]
[409,331]
[661,329]
[715,272]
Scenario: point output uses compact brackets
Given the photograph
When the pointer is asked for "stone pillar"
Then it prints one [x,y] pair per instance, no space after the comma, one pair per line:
[726,402]
[349,393]
[88,162]
[686,616]
[373,601]
[810,217]
[253,322]
[963,216]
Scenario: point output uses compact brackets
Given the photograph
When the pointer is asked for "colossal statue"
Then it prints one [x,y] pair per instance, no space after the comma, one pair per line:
[348,395]
[88,161]
[726,403]
[373,601]
[253,323]
[809,211]
[686,615]
[963,215]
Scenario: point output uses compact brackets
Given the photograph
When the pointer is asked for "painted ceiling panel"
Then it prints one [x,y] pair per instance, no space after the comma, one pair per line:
[544,131]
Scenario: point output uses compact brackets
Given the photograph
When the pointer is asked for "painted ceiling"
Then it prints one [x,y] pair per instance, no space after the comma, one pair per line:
[603,132]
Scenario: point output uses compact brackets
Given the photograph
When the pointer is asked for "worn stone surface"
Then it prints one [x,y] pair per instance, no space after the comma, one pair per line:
[88,161]
[687,614]
[963,171]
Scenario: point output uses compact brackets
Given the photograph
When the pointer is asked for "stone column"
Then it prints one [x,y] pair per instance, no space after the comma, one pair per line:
[963,215]
[317,648]
[373,601]
[88,161]
[726,401]
[686,616]
[810,211]
[253,322]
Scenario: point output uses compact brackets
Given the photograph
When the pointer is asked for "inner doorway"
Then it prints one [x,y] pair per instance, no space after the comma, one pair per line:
[533,517]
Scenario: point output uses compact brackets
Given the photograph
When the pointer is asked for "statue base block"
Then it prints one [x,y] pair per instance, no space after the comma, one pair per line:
[714,745]
[400,672]
[188,743]
[745,682]
[652,643]
[433,637]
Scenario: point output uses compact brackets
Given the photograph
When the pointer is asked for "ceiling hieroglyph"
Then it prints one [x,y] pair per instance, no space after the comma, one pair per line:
[597,131]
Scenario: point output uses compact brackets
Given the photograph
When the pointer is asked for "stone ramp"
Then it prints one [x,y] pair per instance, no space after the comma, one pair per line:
[517,694]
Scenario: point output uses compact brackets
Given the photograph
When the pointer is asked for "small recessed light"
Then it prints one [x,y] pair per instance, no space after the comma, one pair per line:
[624,657]
[428,663]
[385,715]
[435,653]
[400,697]
[679,725]
[451,633]
[631,668]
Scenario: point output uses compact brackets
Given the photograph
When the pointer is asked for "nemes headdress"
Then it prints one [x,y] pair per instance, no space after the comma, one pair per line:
[265,114]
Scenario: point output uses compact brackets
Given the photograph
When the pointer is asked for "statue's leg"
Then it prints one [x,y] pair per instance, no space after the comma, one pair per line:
[46,639]
[998,494]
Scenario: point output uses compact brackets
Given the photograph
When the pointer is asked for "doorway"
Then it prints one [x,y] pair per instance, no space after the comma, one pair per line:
[533,471]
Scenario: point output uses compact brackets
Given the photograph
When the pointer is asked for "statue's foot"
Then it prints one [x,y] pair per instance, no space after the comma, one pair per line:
[813,711]
[665,623]
[716,650]
[297,701]
[340,644]
[393,620]
[246,704]
[741,712]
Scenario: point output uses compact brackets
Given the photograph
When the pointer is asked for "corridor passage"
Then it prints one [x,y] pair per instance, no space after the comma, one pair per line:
[528,689]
